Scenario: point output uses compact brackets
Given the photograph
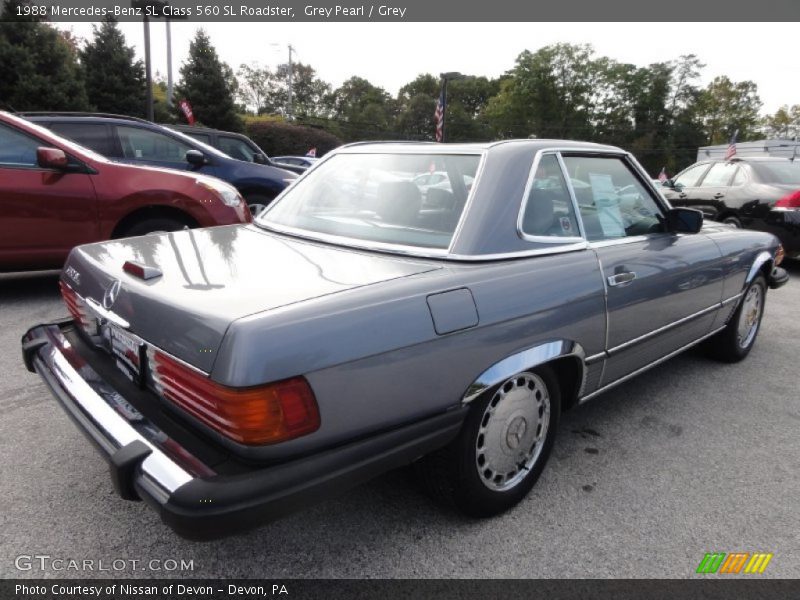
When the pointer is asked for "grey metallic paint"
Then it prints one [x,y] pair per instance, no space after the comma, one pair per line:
[386,339]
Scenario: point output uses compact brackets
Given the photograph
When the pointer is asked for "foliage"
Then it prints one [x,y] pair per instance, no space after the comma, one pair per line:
[39,67]
[785,123]
[116,79]
[278,138]
[207,83]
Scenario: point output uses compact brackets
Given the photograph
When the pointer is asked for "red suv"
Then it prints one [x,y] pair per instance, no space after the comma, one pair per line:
[55,195]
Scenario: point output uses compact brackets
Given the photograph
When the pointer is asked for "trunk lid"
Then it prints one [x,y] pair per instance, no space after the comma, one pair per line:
[212,277]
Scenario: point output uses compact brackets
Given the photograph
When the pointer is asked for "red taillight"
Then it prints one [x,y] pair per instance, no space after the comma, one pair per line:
[257,415]
[74,304]
[789,201]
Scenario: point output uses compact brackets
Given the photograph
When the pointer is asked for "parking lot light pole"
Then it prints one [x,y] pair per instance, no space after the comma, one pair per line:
[156,8]
[445,77]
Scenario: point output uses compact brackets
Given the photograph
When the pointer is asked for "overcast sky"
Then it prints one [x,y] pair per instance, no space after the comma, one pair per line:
[392,54]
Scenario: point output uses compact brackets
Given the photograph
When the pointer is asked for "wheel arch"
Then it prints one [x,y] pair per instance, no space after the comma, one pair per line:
[567,358]
[151,212]
[761,264]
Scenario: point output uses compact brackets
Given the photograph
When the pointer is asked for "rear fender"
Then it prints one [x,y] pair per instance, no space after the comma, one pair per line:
[526,360]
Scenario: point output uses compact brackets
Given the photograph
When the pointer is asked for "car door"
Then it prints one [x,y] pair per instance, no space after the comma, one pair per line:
[662,289]
[710,195]
[686,185]
[154,148]
[44,212]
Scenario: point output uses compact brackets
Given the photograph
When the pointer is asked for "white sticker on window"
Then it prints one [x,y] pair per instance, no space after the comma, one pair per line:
[607,203]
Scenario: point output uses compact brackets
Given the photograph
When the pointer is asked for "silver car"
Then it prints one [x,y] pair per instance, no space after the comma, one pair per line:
[233,374]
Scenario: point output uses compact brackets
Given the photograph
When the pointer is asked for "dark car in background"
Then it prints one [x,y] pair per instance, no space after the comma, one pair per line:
[55,195]
[136,141]
[235,145]
[761,193]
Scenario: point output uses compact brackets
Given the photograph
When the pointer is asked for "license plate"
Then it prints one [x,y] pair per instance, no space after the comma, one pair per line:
[128,351]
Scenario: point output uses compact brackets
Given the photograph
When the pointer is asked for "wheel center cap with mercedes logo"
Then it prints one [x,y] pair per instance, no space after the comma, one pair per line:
[111,293]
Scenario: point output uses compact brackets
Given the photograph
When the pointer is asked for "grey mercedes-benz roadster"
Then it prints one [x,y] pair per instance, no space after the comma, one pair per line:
[233,374]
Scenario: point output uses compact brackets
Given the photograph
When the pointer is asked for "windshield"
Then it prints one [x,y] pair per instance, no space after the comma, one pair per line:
[383,198]
[787,173]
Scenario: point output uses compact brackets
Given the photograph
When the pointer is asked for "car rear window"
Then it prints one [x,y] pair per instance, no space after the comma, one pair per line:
[95,136]
[787,173]
[375,198]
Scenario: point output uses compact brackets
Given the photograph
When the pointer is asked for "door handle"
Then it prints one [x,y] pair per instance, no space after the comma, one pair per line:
[621,279]
[719,195]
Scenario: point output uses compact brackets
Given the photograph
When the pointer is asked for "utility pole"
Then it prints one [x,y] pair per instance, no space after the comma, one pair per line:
[148,69]
[291,68]
[169,64]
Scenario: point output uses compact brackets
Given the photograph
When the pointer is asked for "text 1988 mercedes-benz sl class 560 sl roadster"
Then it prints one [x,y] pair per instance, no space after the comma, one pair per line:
[232,374]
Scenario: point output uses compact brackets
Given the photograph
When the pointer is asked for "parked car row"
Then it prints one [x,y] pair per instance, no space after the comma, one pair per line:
[57,195]
[136,141]
[761,193]
[226,376]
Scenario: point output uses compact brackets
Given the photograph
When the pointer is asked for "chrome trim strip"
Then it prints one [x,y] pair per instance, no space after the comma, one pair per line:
[648,366]
[731,299]
[108,315]
[559,249]
[543,239]
[595,357]
[157,466]
[522,361]
[668,326]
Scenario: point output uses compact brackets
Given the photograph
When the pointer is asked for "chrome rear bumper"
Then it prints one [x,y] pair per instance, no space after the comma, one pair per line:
[190,497]
[139,467]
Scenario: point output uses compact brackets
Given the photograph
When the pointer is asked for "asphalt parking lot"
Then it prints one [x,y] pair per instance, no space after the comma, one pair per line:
[693,457]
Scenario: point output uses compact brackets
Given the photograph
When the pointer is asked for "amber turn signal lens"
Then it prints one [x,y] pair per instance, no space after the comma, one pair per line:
[265,414]
[780,254]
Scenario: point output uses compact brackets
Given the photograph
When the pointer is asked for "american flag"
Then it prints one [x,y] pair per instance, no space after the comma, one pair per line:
[662,177]
[731,151]
[438,117]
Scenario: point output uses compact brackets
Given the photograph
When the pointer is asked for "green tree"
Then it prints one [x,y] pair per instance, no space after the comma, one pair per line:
[548,93]
[785,123]
[254,87]
[725,106]
[416,103]
[39,68]
[363,110]
[115,80]
[208,84]
[310,94]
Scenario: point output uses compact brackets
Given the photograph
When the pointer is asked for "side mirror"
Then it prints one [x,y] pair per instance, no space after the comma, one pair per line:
[668,183]
[195,158]
[261,159]
[684,220]
[51,158]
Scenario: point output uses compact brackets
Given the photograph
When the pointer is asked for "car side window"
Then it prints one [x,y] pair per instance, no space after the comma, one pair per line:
[17,149]
[202,137]
[691,176]
[236,148]
[719,175]
[94,136]
[739,178]
[613,202]
[143,144]
[548,208]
